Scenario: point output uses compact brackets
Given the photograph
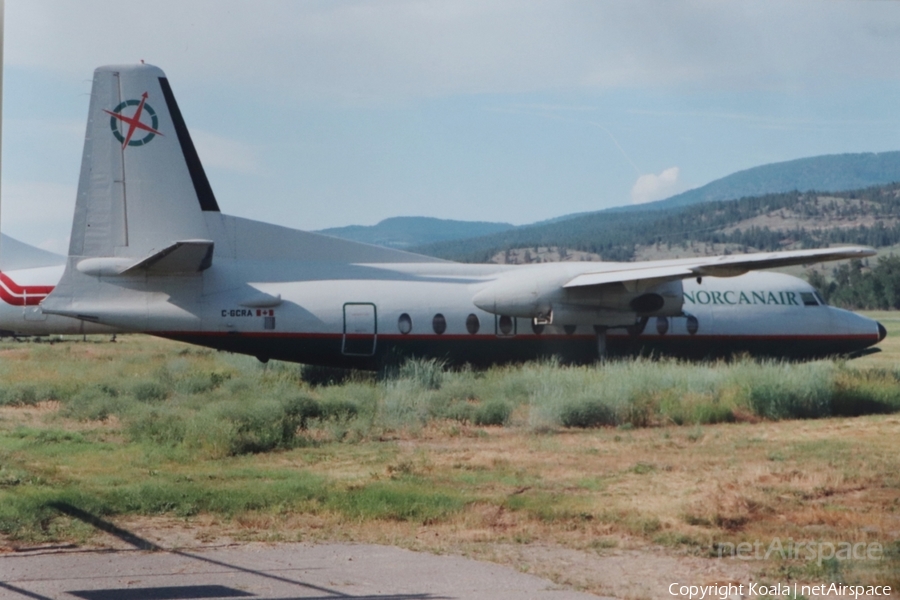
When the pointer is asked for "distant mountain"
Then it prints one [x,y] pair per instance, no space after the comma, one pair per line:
[406,232]
[826,173]
[868,216]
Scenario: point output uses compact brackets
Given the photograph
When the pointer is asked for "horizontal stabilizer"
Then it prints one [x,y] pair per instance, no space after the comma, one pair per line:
[188,256]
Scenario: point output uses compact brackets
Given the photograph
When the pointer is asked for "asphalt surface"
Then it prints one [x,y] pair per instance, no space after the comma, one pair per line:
[266,571]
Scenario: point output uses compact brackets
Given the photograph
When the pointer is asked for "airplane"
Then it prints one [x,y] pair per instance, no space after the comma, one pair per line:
[27,275]
[151,252]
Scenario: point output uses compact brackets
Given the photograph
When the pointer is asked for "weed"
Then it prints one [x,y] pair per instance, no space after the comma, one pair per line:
[399,501]
[642,468]
[604,543]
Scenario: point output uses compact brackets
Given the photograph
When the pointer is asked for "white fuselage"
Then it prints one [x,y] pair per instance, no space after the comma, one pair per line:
[362,315]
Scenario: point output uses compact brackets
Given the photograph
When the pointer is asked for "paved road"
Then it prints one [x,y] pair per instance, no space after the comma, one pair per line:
[264,572]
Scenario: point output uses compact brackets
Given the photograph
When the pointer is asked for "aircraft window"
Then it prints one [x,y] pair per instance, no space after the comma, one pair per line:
[404,324]
[506,325]
[439,323]
[472,324]
[662,325]
[809,299]
[820,298]
[692,324]
[537,328]
[569,329]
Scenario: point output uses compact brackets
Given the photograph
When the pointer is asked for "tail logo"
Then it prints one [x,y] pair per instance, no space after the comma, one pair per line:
[134,122]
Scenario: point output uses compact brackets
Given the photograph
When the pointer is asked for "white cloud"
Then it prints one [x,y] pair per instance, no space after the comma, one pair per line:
[652,187]
[357,51]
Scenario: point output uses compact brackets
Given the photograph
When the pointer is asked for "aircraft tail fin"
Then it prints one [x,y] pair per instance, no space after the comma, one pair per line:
[142,186]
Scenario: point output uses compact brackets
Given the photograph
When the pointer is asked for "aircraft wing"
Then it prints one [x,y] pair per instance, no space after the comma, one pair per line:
[714,266]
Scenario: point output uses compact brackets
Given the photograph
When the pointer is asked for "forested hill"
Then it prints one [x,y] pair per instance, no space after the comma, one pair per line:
[403,232]
[833,172]
[830,172]
[869,216]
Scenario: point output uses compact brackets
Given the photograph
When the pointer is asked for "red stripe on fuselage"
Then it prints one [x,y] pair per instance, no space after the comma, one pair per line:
[484,337]
[22,295]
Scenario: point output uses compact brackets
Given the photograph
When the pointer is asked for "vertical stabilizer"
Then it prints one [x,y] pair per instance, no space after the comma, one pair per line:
[142,186]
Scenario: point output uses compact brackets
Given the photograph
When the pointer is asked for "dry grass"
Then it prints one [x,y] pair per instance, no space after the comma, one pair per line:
[609,510]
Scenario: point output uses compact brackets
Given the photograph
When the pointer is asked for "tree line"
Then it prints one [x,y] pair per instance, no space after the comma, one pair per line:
[856,286]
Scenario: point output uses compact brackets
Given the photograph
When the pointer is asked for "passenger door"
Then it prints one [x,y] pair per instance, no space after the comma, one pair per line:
[360,331]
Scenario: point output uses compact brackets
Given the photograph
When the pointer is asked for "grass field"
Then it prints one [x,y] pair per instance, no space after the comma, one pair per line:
[634,456]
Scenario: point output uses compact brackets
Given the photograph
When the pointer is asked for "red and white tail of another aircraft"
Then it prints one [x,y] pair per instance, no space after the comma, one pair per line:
[151,252]
[27,276]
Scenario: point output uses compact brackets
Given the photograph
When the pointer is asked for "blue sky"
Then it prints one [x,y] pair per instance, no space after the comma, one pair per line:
[317,114]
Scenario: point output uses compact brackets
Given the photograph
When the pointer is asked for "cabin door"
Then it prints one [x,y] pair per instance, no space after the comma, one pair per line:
[359,329]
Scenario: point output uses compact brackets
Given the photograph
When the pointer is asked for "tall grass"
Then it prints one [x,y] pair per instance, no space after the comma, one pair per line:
[225,405]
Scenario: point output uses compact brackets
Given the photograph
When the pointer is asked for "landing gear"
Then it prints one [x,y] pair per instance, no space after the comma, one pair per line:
[638,328]
[601,342]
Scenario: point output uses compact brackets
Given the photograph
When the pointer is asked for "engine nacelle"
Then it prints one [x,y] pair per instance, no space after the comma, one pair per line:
[527,296]
[662,299]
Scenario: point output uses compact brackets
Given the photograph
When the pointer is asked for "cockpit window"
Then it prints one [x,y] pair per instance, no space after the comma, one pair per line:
[821,299]
[809,298]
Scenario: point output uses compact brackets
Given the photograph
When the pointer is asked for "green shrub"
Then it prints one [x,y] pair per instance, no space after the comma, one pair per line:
[94,403]
[404,404]
[428,374]
[464,412]
[874,391]
[298,410]
[161,425]
[149,391]
[586,412]
[261,426]
[27,394]
[199,383]
[704,413]
[494,412]
[781,390]
[338,410]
